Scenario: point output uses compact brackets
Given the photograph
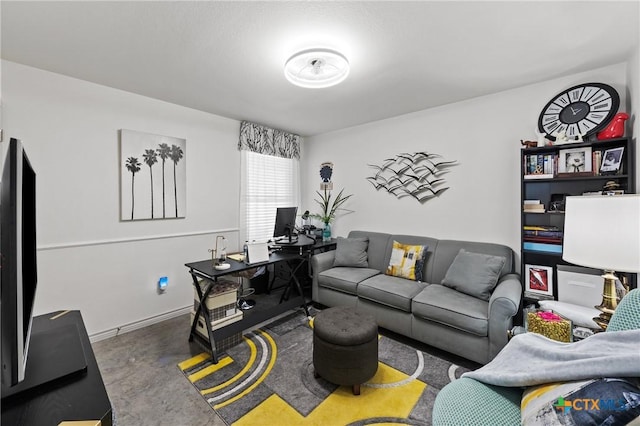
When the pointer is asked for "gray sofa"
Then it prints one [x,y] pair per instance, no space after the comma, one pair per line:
[464,318]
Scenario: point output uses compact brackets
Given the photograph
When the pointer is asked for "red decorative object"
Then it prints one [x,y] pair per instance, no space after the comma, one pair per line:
[615,129]
[549,316]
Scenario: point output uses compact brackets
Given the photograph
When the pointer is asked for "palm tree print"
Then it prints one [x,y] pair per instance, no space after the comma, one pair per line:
[163,152]
[150,158]
[133,165]
[176,154]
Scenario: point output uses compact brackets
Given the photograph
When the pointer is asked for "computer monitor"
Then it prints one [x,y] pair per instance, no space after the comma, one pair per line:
[285,223]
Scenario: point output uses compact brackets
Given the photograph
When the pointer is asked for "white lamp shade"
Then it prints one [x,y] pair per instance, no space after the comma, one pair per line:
[603,232]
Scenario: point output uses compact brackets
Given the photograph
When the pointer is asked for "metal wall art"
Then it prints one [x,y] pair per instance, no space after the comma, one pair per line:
[417,175]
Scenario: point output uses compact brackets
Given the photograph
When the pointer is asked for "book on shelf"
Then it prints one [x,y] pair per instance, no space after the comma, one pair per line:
[596,162]
[532,202]
[542,247]
[539,166]
[543,233]
[540,228]
[539,176]
[550,240]
[533,207]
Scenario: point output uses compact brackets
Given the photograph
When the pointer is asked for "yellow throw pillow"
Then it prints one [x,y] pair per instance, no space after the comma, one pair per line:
[407,261]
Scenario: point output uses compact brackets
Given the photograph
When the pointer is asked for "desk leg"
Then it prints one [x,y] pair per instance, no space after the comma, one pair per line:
[202,310]
[293,278]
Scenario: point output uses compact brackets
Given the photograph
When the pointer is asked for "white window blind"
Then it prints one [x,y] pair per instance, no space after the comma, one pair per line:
[267,182]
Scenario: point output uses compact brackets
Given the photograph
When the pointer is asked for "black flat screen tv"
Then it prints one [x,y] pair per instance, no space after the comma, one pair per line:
[18,261]
[285,224]
[29,358]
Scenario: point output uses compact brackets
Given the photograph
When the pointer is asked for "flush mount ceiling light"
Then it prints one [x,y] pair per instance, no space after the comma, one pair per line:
[316,68]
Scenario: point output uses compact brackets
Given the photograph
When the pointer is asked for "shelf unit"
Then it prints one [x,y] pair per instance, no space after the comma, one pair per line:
[541,180]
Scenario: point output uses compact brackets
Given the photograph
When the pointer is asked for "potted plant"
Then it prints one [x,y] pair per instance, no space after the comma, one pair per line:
[329,207]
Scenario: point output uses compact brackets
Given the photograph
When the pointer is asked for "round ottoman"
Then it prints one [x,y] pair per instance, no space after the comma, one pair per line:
[345,346]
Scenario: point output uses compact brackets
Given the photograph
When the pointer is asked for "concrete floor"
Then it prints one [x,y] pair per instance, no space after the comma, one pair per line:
[143,381]
[146,387]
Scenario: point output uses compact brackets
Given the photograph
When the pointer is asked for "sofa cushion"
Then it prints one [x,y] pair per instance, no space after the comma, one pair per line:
[475,274]
[391,291]
[345,279]
[351,252]
[447,250]
[377,250]
[407,261]
[452,308]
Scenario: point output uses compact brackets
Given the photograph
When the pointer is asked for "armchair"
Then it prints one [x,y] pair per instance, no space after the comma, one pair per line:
[467,401]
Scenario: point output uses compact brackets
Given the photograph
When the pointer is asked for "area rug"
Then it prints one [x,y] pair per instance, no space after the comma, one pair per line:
[268,380]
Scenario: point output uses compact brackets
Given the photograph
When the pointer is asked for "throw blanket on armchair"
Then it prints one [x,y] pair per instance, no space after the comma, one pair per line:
[532,359]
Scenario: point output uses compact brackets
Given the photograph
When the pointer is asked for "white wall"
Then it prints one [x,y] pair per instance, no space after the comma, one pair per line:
[482,134]
[108,269]
[88,259]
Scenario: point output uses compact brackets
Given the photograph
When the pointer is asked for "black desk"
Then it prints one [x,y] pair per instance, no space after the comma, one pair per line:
[305,247]
[205,270]
[80,396]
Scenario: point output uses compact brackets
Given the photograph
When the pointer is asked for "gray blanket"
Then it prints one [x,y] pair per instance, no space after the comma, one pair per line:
[532,359]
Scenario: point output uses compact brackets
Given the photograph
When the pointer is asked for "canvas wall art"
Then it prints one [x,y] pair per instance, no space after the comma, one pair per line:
[152,176]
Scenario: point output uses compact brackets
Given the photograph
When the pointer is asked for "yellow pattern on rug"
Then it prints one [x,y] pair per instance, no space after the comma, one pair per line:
[342,407]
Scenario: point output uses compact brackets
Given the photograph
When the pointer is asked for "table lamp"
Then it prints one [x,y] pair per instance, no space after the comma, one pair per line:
[603,232]
[219,257]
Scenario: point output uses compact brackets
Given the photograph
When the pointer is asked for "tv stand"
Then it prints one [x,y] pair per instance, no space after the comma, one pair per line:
[53,355]
[62,380]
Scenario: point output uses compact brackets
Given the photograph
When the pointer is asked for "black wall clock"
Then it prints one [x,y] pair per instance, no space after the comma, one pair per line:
[580,110]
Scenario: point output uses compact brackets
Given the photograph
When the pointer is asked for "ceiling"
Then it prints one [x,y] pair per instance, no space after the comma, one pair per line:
[227,58]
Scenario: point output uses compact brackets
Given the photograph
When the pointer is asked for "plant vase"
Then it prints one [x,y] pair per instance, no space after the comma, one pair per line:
[326,232]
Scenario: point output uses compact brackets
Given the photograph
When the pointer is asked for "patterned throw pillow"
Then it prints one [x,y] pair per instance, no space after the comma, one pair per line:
[407,261]
[597,401]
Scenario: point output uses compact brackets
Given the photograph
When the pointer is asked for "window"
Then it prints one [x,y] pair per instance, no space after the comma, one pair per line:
[268,182]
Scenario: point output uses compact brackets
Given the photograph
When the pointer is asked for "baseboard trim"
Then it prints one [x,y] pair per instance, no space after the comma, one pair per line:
[96,337]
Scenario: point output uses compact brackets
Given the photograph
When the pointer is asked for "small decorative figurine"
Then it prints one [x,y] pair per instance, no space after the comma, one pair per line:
[528,144]
[615,129]
[561,138]
[542,140]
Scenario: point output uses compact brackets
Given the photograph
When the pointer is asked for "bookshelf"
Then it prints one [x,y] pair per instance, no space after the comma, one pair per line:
[549,174]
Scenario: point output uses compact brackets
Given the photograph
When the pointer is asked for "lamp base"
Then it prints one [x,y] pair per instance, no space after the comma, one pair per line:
[609,300]
[222,266]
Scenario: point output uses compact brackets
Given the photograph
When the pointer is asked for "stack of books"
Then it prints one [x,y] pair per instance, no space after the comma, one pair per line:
[540,166]
[533,206]
[546,239]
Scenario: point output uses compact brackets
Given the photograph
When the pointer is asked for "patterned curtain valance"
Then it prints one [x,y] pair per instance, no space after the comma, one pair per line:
[265,140]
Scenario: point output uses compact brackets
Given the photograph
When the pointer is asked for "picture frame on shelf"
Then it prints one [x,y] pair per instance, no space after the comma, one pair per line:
[539,280]
[612,160]
[575,161]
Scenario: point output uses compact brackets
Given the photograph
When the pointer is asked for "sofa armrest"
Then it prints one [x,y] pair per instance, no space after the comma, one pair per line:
[320,262]
[503,306]
[468,402]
